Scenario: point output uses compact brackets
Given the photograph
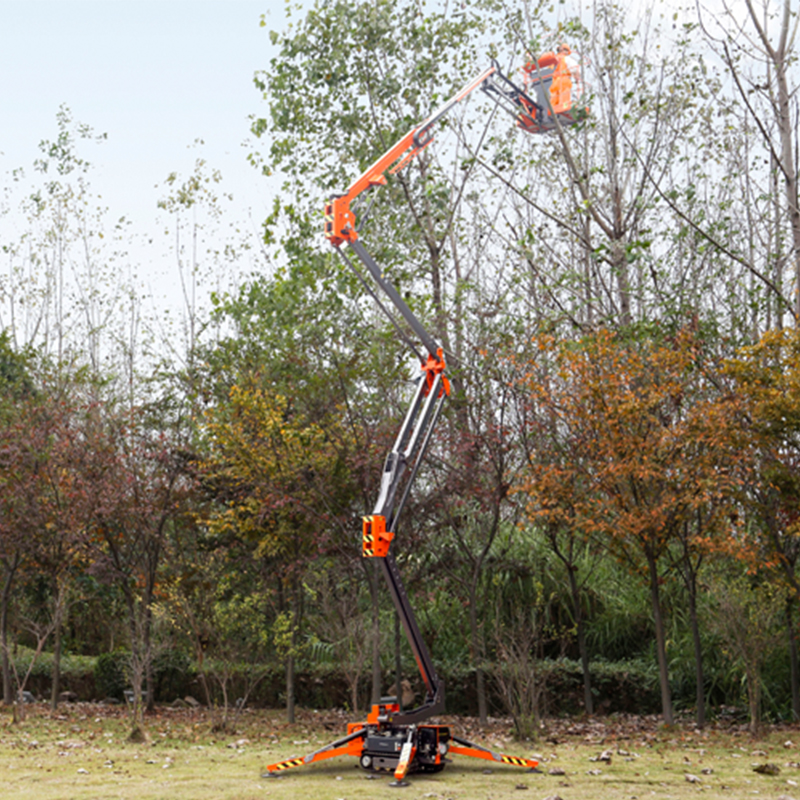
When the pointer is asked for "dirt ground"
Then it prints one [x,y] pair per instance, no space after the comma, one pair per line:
[82,751]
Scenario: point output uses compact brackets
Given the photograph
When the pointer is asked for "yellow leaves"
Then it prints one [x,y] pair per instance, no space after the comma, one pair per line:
[264,459]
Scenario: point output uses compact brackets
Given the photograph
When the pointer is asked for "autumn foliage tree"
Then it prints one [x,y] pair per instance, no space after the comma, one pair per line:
[279,482]
[134,475]
[45,514]
[765,400]
[628,450]
[61,516]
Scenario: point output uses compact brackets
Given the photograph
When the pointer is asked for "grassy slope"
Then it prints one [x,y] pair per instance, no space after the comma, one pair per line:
[82,753]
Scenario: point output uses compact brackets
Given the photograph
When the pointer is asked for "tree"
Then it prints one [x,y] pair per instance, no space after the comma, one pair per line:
[301,334]
[62,516]
[758,47]
[63,293]
[45,510]
[765,399]
[386,67]
[640,413]
[748,611]
[523,626]
[216,595]
[343,624]
[16,392]
[588,237]
[134,473]
[205,256]
[555,481]
[276,477]
[475,466]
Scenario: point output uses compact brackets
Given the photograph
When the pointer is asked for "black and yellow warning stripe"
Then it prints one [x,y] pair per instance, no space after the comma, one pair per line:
[368,545]
[292,762]
[517,762]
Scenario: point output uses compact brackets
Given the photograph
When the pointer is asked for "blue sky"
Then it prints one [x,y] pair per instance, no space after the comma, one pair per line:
[154,76]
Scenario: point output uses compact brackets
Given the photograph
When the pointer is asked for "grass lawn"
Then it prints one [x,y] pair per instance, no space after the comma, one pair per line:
[81,752]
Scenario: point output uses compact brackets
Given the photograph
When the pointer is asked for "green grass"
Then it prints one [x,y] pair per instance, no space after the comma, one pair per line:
[81,753]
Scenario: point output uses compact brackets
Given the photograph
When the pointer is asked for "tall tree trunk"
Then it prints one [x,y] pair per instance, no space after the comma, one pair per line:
[5,602]
[588,699]
[754,697]
[201,675]
[700,691]
[137,733]
[787,133]
[290,686]
[477,654]
[60,589]
[793,658]
[148,653]
[567,559]
[619,264]
[55,689]
[661,646]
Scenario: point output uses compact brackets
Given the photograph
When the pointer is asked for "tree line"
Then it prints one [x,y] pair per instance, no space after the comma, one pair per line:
[616,472]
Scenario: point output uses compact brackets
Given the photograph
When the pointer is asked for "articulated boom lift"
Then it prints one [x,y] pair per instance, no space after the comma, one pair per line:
[391,739]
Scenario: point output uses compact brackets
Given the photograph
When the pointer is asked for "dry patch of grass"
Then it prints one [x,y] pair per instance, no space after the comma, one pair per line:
[82,752]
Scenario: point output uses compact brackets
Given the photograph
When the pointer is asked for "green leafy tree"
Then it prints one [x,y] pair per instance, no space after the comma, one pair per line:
[372,73]
[748,620]
[228,614]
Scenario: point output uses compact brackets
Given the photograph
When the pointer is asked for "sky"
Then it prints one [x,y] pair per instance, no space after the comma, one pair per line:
[152,75]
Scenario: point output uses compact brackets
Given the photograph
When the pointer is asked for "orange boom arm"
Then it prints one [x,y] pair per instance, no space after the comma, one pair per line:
[340,221]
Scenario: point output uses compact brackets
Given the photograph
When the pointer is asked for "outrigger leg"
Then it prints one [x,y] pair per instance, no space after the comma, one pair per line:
[464,748]
[406,758]
[341,747]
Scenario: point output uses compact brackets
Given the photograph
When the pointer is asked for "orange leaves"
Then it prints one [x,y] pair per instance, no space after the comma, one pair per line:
[765,399]
[620,440]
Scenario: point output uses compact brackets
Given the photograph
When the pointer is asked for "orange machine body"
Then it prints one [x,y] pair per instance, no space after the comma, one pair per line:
[375,538]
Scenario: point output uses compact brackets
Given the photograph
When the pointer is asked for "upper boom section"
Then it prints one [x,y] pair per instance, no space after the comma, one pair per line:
[340,220]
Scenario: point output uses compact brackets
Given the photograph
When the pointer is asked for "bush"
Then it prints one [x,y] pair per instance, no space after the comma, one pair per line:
[629,686]
[110,674]
[171,675]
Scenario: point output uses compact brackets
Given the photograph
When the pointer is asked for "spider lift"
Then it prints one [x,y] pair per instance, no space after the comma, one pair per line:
[392,739]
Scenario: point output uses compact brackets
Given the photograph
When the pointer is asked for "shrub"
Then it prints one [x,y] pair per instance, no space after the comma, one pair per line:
[171,674]
[110,674]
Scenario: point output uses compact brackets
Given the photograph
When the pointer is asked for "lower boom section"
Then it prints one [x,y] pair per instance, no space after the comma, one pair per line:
[380,745]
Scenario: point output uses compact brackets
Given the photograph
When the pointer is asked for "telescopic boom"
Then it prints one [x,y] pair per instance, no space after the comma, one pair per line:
[415,432]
